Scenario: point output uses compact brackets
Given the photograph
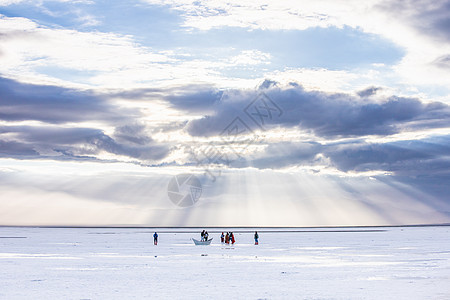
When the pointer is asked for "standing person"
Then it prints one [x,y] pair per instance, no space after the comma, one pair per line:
[206,235]
[256,238]
[232,238]
[202,235]
[227,238]
[222,238]
[155,239]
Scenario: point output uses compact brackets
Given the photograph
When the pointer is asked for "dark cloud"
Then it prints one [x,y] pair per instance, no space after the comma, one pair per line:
[324,114]
[280,155]
[57,105]
[414,166]
[74,142]
[421,165]
[443,61]
[328,115]
[192,98]
[430,17]
[367,92]
[419,168]
[133,133]
[404,158]
[13,149]
[410,158]
[52,104]
[267,84]
[202,100]
[431,184]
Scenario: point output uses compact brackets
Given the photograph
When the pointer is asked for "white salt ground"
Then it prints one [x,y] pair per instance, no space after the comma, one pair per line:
[110,263]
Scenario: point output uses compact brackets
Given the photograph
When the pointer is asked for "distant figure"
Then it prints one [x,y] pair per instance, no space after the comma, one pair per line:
[206,235]
[222,238]
[256,238]
[232,238]
[227,238]
[202,235]
[155,239]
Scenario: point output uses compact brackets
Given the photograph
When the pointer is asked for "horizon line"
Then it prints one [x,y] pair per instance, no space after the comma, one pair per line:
[217,227]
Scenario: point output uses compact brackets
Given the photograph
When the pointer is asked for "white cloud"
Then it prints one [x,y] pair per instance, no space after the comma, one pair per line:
[283,14]
[33,53]
[40,2]
[37,54]
[87,20]
[317,79]
[251,57]
[9,2]
[422,48]
[28,46]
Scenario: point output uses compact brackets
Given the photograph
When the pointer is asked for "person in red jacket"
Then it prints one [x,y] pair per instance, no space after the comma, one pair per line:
[222,238]
[232,238]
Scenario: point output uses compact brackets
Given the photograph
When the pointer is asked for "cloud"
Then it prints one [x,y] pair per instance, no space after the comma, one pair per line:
[32,49]
[283,14]
[50,141]
[319,115]
[13,149]
[443,61]
[408,157]
[430,156]
[285,154]
[33,52]
[133,133]
[384,33]
[146,111]
[370,91]
[429,17]
[324,114]
[61,110]
[10,2]
[417,167]
[53,104]
[87,20]
[194,100]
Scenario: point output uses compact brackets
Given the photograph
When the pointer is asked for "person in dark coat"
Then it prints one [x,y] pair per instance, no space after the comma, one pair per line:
[222,238]
[227,238]
[155,239]
[256,238]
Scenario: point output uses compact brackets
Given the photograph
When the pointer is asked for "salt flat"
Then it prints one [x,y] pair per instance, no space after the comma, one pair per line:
[123,263]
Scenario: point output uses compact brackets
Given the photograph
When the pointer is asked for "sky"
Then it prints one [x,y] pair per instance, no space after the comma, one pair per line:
[257,113]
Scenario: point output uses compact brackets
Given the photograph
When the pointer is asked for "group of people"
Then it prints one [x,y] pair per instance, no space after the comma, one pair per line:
[204,235]
[224,238]
[227,238]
